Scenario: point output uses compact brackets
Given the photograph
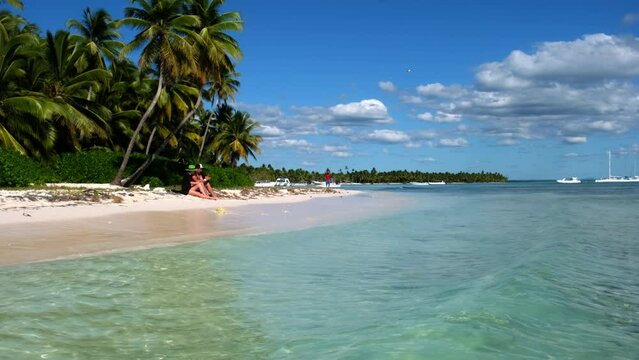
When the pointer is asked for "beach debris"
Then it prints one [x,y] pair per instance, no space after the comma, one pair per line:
[220,211]
[146,187]
[159,190]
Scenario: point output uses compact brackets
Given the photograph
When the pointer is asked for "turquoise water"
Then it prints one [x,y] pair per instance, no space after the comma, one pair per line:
[497,271]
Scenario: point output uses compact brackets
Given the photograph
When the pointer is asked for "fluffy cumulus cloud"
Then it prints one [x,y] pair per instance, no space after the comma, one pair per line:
[565,90]
[338,120]
[365,111]
[386,86]
[593,58]
[270,131]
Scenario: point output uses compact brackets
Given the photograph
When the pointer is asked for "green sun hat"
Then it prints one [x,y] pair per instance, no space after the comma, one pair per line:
[191,168]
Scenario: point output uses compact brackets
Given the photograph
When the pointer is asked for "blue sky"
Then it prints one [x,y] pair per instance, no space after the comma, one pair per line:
[532,89]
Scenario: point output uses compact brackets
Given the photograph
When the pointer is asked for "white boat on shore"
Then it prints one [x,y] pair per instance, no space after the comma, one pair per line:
[616,179]
[571,180]
[416,183]
[436,183]
[264,183]
[283,182]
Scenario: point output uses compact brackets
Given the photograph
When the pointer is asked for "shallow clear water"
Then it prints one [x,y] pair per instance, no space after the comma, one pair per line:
[497,271]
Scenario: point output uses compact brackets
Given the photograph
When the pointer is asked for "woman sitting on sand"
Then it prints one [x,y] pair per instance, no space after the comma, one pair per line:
[196,185]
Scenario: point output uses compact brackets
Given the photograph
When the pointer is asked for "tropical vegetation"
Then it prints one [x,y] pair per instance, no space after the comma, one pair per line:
[82,88]
[267,172]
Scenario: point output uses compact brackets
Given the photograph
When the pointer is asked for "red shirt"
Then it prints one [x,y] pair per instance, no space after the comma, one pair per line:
[328,176]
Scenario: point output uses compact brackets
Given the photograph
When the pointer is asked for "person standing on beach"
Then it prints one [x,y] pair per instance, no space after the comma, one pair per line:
[327,178]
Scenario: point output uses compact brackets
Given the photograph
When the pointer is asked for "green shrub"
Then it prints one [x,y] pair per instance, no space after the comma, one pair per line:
[227,177]
[92,166]
[152,181]
[17,170]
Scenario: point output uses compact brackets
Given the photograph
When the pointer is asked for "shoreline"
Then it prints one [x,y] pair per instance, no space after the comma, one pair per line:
[36,231]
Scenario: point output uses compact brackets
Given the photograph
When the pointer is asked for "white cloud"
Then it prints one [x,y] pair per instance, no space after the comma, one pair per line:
[563,88]
[609,126]
[575,139]
[371,110]
[439,90]
[340,130]
[440,117]
[426,159]
[388,136]
[341,154]
[425,116]
[270,131]
[457,142]
[592,58]
[447,117]
[298,143]
[386,86]
[334,148]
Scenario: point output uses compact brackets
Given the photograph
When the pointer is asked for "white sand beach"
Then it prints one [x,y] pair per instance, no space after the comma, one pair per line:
[72,220]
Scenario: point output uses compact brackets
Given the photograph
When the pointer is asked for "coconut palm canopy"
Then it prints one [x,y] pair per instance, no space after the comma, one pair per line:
[77,88]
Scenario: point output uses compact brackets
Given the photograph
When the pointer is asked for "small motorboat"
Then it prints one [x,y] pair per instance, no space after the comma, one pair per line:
[571,180]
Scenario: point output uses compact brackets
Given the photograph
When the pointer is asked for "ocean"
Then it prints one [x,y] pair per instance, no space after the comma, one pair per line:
[523,270]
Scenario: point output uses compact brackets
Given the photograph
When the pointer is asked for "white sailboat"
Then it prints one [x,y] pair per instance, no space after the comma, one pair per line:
[616,179]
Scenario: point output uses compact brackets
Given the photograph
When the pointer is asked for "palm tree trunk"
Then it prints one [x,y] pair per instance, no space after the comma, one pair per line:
[118,177]
[136,174]
[206,131]
[148,144]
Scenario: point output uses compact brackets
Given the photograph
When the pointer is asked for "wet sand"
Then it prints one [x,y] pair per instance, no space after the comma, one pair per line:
[25,240]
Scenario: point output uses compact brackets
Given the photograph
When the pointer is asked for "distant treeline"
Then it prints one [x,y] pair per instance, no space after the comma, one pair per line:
[267,172]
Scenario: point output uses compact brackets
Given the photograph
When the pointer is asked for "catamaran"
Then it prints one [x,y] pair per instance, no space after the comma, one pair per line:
[616,179]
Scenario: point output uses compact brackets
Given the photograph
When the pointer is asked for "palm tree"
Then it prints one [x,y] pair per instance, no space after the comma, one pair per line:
[213,49]
[15,3]
[24,125]
[235,141]
[165,47]
[175,102]
[69,90]
[223,89]
[99,34]
[217,51]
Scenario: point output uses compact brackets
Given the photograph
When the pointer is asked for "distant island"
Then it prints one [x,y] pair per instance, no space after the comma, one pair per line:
[266,172]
